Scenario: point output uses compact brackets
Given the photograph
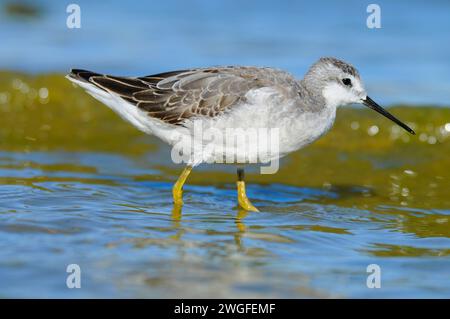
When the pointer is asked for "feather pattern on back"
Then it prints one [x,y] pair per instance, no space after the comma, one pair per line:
[179,95]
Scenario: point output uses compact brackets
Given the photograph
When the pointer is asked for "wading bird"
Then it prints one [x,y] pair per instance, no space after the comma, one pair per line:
[168,105]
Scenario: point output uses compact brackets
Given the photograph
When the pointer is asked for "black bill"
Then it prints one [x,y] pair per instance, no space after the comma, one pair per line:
[374,106]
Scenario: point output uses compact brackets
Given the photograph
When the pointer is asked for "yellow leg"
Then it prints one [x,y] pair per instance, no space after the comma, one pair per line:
[243,200]
[177,189]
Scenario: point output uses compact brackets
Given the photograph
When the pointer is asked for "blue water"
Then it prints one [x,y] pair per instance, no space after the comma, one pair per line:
[406,61]
[123,233]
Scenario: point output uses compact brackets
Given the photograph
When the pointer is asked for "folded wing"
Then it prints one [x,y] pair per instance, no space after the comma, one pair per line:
[179,95]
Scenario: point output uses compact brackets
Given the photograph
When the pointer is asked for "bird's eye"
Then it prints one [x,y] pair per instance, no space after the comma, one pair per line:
[347,82]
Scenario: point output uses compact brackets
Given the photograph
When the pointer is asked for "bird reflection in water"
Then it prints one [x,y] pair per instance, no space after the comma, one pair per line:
[240,226]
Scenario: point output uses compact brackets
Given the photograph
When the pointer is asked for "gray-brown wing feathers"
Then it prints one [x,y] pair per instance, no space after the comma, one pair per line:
[179,95]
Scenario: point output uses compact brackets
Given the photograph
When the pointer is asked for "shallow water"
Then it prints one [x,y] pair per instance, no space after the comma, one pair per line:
[78,185]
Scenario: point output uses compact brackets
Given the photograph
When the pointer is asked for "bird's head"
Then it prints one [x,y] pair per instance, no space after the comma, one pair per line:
[339,84]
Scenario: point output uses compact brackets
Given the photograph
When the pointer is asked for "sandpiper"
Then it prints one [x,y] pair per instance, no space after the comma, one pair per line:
[168,105]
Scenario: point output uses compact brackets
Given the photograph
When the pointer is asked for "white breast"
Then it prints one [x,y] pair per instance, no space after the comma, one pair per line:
[305,128]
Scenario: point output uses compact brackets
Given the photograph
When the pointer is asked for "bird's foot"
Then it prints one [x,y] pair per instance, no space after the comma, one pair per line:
[177,193]
[243,200]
